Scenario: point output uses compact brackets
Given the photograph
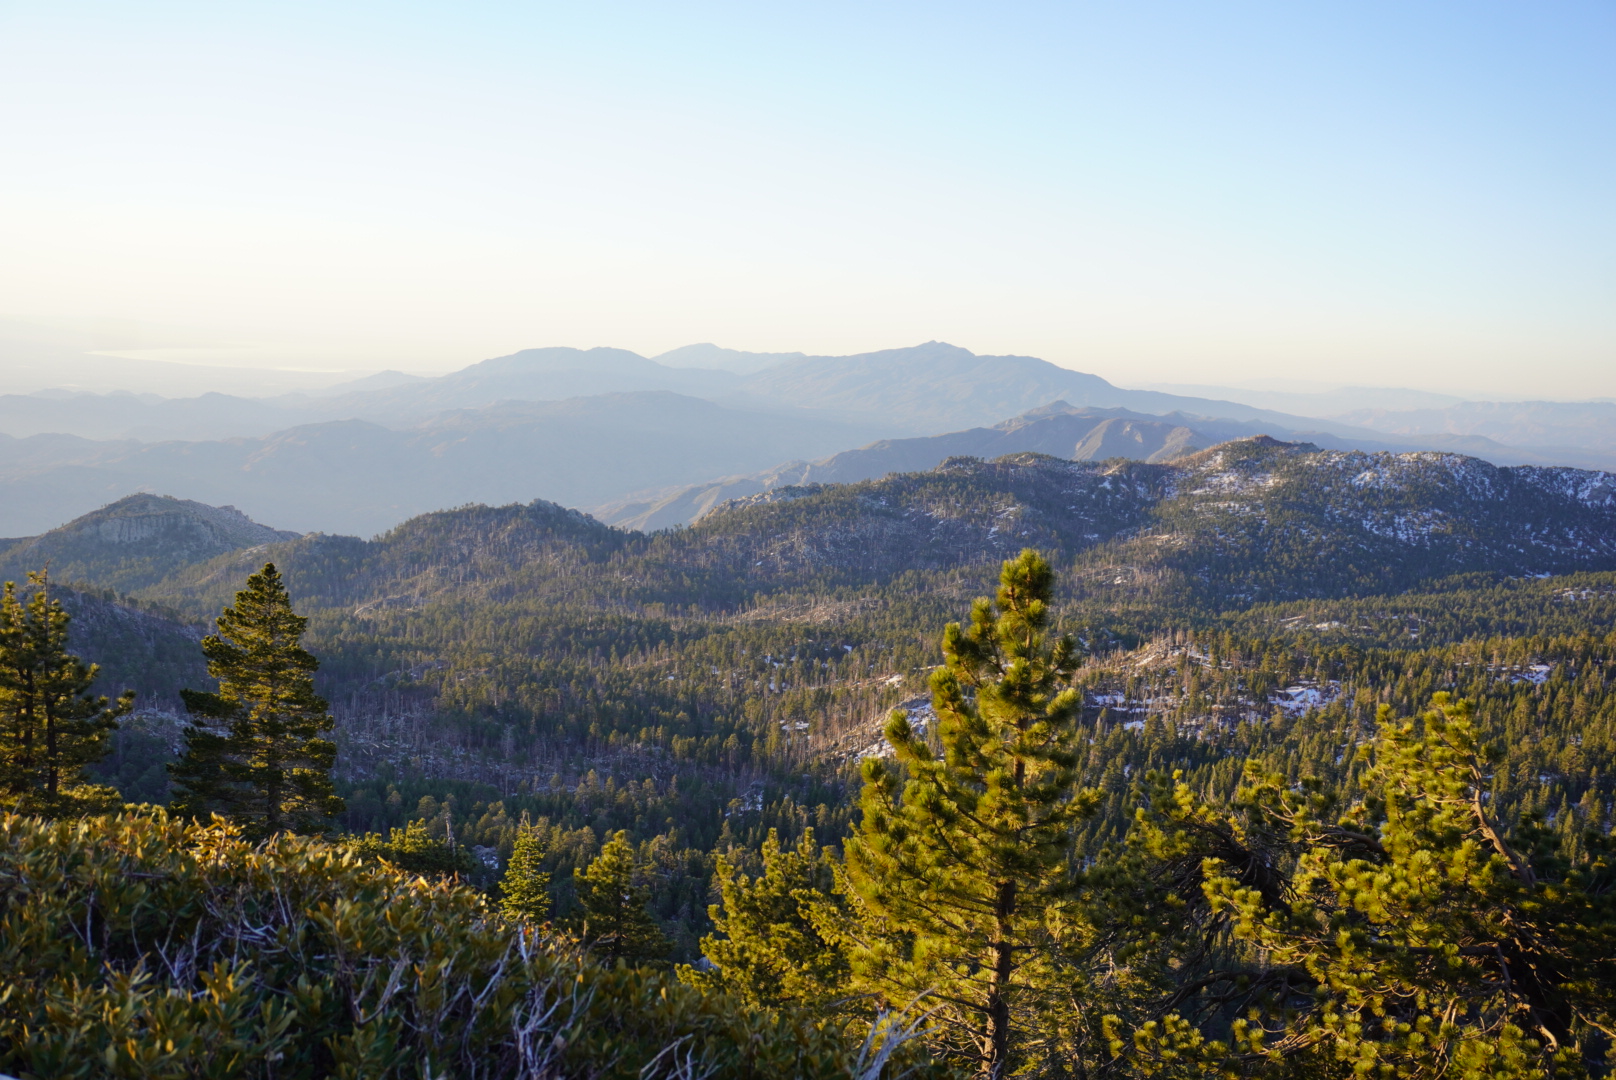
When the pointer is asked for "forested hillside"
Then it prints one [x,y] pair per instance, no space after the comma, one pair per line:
[137,541]
[701,688]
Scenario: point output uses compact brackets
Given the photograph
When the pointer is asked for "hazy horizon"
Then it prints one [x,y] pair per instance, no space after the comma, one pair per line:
[129,371]
[1159,193]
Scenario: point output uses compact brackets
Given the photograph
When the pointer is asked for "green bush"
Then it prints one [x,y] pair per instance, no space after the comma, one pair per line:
[139,945]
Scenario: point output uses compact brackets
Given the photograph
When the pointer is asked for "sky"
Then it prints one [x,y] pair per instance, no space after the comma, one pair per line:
[1367,193]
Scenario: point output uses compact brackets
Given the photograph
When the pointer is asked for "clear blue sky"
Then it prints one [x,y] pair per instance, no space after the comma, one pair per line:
[1389,193]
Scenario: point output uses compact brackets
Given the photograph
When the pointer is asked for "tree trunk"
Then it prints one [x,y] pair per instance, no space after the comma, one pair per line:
[1003,967]
[52,762]
[272,791]
[30,699]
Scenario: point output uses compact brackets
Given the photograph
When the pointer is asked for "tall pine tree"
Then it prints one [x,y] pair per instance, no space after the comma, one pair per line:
[255,752]
[51,727]
[962,867]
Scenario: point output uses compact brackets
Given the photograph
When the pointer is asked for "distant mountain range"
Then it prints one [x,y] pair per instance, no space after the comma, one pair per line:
[1058,429]
[355,476]
[656,442]
[925,389]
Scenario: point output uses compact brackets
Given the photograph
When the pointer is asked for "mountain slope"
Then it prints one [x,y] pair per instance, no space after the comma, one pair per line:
[643,446]
[1058,429]
[137,541]
[513,644]
[1259,520]
[937,386]
[918,390]
[1250,520]
[710,356]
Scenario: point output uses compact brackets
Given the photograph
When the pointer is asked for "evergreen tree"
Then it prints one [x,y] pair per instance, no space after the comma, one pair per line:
[50,725]
[965,867]
[255,752]
[411,849]
[613,918]
[773,952]
[525,889]
[1423,938]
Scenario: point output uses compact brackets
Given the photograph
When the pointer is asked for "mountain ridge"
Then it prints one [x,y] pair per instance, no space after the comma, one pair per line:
[1058,429]
[1256,519]
[497,431]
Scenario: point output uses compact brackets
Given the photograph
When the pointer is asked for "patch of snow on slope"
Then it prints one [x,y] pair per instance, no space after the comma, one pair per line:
[1595,490]
[1297,700]
[1415,528]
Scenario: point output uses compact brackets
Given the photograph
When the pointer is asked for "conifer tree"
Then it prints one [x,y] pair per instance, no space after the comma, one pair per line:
[255,752]
[1425,938]
[50,725]
[773,952]
[613,918]
[964,866]
[411,849]
[525,888]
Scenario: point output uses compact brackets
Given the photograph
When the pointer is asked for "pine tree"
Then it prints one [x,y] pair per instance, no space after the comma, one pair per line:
[525,889]
[773,952]
[50,725]
[1422,937]
[412,850]
[613,919]
[255,752]
[1438,940]
[964,867]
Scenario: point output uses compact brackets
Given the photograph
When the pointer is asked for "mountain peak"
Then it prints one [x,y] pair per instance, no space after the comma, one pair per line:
[137,540]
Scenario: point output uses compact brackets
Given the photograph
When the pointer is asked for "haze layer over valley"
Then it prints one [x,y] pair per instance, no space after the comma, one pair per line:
[657,442]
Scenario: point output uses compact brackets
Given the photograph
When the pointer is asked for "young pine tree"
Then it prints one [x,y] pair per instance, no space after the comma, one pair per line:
[414,851]
[964,867]
[50,725]
[525,889]
[255,753]
[772,952]
[613,918]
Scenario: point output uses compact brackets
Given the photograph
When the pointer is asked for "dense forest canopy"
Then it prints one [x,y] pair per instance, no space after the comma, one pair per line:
[1258,635]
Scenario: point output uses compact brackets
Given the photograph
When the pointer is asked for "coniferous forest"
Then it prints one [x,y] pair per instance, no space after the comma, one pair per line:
[1266,763]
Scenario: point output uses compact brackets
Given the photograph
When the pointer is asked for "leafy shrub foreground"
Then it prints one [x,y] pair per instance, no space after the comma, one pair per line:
[139,945]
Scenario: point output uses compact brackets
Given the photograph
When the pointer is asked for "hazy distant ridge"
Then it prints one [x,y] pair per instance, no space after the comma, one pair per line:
[648,442]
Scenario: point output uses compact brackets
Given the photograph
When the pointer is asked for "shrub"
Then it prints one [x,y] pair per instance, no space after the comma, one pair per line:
[139,945]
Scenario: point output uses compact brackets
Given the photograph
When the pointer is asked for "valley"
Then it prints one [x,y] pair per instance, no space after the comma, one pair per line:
[705,684]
